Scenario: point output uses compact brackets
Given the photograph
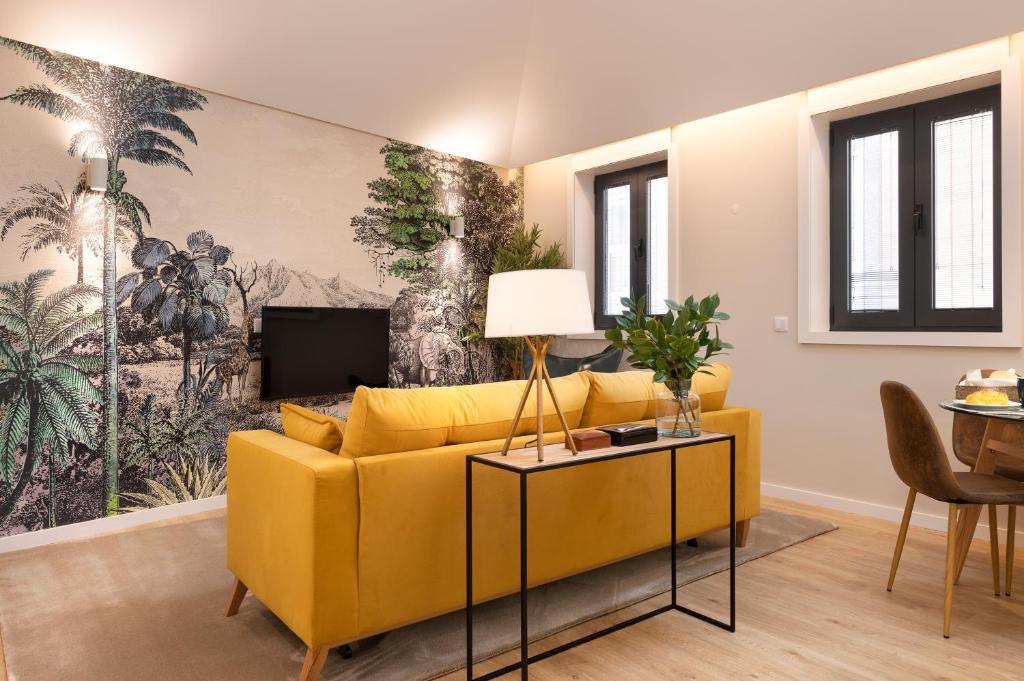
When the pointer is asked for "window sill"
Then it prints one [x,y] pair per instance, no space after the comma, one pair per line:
[960,339]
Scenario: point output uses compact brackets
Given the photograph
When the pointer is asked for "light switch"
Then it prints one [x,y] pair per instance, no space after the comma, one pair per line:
[782,324]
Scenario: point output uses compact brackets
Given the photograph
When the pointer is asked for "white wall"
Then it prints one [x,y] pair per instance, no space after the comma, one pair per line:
[823,428]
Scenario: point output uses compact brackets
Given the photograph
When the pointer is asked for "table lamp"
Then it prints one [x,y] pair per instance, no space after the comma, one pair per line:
[538,305]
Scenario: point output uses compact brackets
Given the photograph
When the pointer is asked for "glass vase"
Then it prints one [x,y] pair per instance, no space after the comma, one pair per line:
[678,414]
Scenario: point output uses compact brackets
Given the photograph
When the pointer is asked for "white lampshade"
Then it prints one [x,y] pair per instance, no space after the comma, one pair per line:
[538,303]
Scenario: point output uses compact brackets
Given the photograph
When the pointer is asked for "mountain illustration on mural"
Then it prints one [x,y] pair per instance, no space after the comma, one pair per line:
[278,284]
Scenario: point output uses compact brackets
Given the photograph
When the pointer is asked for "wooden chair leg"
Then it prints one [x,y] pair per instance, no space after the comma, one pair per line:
[314,663]
[993,540]
[742,532]
[901,538]
[951,544]
[1011,531]
[237,594]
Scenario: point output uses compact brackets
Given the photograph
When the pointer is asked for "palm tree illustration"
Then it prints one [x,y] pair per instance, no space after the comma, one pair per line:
[68,221]
[45,389]
[124,116]
[183,289]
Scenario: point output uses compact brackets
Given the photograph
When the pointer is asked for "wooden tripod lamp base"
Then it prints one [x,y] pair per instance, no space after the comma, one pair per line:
[538,305]
[540,377]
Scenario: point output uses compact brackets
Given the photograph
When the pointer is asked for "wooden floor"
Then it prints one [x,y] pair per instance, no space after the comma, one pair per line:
[814,611]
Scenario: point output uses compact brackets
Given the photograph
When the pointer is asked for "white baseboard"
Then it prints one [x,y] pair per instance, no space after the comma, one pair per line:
[929,521]
[93,528]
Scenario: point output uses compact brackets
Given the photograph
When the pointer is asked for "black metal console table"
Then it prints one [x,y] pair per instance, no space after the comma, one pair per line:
[523,462]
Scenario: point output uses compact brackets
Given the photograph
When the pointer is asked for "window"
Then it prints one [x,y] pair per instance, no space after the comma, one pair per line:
[915,217]
[631,244]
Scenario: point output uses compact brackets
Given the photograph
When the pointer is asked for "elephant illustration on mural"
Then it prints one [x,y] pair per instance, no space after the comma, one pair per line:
[422,359]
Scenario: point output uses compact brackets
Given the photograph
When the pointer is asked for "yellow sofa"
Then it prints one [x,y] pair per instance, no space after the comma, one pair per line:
[344,545]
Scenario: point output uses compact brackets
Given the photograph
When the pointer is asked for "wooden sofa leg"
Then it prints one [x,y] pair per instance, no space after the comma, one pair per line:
[237,594]
[314,663]
[742,532]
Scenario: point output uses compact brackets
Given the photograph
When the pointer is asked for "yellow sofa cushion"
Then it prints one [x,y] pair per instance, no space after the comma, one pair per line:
[713,387]
[628,396]
[312,427]
[387,420]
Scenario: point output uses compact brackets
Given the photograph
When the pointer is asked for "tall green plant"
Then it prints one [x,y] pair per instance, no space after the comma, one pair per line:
[524,252]
[124,115]
[675,346]
[46,392]
[184,289]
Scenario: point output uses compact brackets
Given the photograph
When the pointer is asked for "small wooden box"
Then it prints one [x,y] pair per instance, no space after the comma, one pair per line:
[590,439]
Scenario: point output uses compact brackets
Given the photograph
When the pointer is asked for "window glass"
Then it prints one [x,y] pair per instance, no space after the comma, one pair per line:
[617,253]
[657,244]
[874,222]
[963,209]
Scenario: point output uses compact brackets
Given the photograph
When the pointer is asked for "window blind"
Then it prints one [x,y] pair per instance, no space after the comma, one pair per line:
[657,243]
[874,222]
[617,254]
[963,212]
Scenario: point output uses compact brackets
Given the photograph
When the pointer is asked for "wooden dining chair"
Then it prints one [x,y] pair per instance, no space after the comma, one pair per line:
[968,433]
[920,460]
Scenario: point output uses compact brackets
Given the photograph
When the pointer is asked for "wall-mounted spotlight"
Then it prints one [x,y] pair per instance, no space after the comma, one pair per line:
[457,226]
[96,174]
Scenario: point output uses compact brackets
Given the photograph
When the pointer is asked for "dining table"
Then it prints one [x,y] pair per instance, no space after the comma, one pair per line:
[992,451]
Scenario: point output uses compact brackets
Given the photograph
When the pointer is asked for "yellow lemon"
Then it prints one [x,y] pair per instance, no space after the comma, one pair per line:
[988,397]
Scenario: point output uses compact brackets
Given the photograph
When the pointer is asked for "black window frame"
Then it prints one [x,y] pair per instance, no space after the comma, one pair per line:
[637,179]
[915,225]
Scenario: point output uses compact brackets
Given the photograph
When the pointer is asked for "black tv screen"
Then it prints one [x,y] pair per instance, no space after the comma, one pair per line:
[322,350]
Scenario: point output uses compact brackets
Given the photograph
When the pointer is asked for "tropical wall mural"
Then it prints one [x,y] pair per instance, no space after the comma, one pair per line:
[127,350]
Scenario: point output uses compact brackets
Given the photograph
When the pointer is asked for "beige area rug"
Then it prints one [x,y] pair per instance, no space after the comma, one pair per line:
[146,604]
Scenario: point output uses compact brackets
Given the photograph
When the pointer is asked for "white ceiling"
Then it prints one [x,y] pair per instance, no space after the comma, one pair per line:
[505,81]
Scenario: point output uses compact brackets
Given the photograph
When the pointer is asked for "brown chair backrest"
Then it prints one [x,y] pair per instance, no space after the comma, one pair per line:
[968,430]
[915,446]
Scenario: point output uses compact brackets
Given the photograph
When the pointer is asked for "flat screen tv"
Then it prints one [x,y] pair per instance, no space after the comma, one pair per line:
[322,350]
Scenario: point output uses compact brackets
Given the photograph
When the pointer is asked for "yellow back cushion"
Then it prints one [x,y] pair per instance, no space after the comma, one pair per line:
[628,396]
[713,387]
[312,427]
[386,420]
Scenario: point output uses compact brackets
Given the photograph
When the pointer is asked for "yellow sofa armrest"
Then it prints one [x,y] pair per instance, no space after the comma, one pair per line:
[293,523]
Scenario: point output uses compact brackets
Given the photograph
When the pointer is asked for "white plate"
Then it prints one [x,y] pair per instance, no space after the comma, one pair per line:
[987,407]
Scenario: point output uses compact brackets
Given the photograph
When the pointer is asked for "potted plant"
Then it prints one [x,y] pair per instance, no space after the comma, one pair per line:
[676,345]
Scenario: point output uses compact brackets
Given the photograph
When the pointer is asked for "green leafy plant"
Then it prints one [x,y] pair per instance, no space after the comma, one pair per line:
[676,345]
[190,478]
[524,252]
[405,219]
[46,391]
